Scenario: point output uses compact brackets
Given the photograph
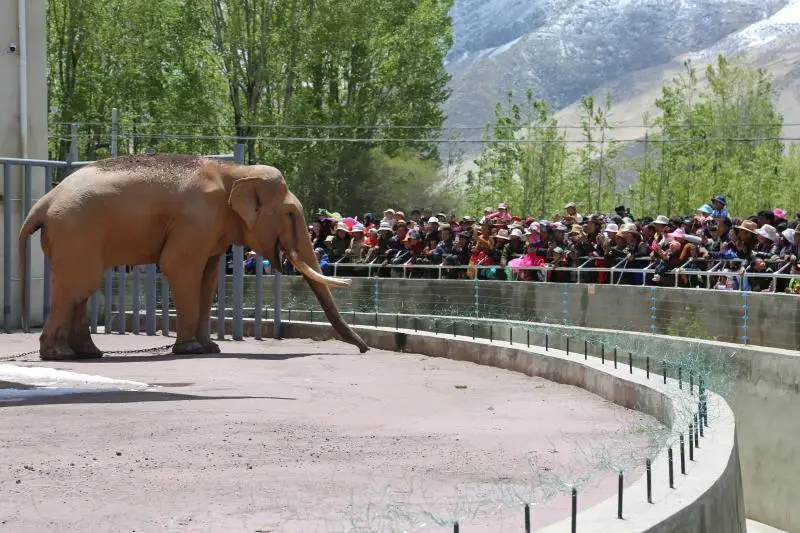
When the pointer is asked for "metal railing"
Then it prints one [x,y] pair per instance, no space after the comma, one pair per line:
[27,166]
[615,272]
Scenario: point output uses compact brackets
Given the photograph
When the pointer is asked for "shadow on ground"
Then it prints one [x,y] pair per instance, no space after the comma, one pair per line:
[112,358]
[102,397]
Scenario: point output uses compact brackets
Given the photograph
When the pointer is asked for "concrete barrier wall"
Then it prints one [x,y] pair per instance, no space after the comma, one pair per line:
[764,391]
[708,500]
[762,319]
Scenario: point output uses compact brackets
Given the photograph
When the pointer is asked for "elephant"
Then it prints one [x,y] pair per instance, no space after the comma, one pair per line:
[179,211]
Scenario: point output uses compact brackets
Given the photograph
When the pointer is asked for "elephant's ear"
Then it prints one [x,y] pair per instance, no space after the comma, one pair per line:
[251,195]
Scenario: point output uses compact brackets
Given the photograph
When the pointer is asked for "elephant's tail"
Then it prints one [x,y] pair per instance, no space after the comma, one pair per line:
[32,223]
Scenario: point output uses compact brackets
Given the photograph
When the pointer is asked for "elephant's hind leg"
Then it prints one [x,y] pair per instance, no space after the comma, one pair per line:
[80,338]
[54,340]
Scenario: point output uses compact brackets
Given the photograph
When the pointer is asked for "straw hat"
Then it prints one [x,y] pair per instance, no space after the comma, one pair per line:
[502,234]
[749,226]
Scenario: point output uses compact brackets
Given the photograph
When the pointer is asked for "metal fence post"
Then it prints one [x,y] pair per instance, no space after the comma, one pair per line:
[48,184]
[121,287]
[27,287]
[221,299]
[135,318]
[238,293]
[238,269]
[114,131]
[278,298]
[150,313]
[107,301]
[259,297]
[7,249]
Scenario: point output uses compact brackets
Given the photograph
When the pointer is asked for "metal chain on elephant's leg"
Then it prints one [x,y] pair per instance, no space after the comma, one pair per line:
[4,358]
[154,351]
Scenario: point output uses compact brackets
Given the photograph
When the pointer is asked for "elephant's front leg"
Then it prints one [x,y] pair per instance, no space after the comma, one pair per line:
[207,288]
[185,284]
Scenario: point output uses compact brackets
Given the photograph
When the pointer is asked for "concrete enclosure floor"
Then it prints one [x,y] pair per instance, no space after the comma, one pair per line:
[299,436]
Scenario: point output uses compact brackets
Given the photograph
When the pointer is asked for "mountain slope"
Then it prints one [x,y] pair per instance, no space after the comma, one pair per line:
[564,49]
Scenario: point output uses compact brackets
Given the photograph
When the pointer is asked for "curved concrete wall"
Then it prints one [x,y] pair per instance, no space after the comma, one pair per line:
[707,500]
[764,393]
[737,317]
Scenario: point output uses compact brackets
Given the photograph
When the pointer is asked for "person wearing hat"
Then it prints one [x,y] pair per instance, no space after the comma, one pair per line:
[624,212]
[403,255]
[514,248]
[720,205]
[445,252]
[501,215]
[767,246]
[432,229]
[790,245]
[572,215]
[388,217]
[339,243]
[357,250]
[397,242]
[746,239]
[378,253]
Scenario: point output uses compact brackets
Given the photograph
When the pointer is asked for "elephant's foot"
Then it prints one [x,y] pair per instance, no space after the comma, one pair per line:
[210,346]
[56,353]
[84,347]
[191,347]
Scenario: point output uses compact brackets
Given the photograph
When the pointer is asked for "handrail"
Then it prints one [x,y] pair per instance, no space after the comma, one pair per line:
[618,269]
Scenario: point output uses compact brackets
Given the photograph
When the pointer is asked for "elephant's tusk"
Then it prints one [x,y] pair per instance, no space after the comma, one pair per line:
[313,275]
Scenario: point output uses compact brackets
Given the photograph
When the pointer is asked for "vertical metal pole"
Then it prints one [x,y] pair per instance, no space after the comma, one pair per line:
[259,297]
[108,300]
[122,288]
[137,323]
[683,456]
[696,433]
[527,518]
[150,304]
[48,184]
[94,311]
[73,143]
[620,484]
[237,329]
[26,210]
[114,131]
[221,299]
[671,473]
[7,249]
[278,298]
[691,442]
[649,481]
[574,510]
[164,306]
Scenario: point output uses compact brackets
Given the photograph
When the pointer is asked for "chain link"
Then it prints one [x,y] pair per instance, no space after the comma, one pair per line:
[108,352]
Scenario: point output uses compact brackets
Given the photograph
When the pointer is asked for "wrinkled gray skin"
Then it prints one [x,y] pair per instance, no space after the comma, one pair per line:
[181,212]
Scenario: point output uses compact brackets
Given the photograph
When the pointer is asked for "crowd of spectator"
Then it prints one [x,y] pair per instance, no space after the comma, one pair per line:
[665,251]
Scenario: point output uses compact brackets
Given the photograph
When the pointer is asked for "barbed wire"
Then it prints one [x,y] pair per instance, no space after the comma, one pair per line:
[417,127]
[231,138]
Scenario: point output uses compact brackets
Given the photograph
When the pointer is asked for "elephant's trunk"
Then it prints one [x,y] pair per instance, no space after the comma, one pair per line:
[302,256]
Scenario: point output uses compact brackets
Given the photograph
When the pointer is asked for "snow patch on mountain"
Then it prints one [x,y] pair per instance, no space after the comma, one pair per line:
[784,23]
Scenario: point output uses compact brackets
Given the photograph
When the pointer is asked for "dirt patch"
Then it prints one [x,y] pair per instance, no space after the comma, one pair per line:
[301,436]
